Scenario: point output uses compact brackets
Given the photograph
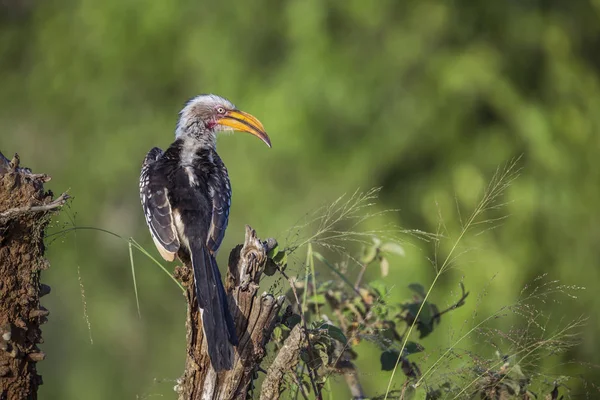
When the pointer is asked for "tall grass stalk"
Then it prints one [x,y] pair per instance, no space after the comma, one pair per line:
[501,180]
[528,350]
[535,295]
[137,299]
[131,243]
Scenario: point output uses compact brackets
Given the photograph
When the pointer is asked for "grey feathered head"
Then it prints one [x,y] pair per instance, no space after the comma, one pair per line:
[206,114]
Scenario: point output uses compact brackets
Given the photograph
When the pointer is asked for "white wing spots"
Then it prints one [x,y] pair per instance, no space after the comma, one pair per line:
[157,208]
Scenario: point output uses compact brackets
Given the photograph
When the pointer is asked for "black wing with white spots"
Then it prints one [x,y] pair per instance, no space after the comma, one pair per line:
[157,209]
[219,189]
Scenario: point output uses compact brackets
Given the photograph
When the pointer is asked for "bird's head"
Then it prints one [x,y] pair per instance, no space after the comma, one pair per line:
[205,115]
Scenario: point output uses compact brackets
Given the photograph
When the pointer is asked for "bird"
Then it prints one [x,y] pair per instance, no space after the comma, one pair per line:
[186,195]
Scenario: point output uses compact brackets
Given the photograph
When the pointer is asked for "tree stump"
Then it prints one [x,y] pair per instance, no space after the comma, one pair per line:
[25,210]
[254,315]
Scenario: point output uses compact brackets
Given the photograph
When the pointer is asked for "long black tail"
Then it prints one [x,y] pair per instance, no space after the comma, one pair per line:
[217,322]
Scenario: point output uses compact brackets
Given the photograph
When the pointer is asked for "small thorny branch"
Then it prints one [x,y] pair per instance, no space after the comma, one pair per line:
[15,212]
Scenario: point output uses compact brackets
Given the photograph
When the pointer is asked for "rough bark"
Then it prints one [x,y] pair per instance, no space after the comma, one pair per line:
[254,315]
[24,214]
[285,361]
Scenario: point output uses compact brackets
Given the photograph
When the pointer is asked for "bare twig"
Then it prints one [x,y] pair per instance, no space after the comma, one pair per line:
[14,212]
[300,386]
[12,166]
[454,306]
[351,377]
[347,367]
[363,268]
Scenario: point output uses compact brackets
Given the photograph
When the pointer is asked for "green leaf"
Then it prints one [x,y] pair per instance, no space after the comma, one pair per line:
[273,252]
[412,348]
[323,356]
[376,241]
[389,331]
[316,324]
[393,310]
[293,320]
[385,267]
[517,372]
[380,311]
[304,356]
[393,248]
[335,333]
[426,313]
[270,267]
[388,359]
[512,386]
[325,286]
[306,384]
[425,322]
[277,334]
[359,305]
[318,298]
[412,308]
[281,258]
[379,287]
[418,289]
[338,295]
[275,258]
[369,254]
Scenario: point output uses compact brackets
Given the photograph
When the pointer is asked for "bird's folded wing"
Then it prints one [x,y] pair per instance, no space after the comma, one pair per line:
[220,192]
[157,209]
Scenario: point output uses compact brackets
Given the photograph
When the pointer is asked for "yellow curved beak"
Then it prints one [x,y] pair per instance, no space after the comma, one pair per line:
[244,122]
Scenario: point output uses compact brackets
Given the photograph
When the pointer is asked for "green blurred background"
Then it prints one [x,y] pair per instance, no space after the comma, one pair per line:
[424,98]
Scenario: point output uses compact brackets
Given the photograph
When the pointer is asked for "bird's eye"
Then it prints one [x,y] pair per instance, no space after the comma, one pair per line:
[220,110]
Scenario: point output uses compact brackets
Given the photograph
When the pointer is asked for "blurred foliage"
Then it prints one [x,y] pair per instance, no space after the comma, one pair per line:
[424,98]
[340,316]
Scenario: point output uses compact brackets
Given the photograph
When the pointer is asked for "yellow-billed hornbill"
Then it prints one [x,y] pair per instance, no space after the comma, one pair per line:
[186,195]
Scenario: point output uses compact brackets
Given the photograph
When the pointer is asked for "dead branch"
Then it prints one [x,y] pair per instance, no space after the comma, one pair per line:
[15,212]
[254,315]
[286,360]
[311,373]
